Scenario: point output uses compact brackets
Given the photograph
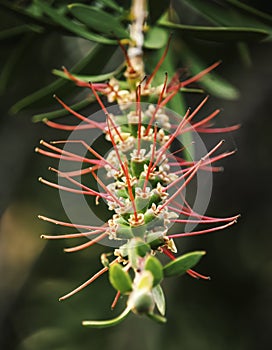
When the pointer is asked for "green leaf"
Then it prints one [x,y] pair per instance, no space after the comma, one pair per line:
[157,8]
[183,263]
[13,59]
[157,318]
[72,26]
[153,265]
[111,4]
[62,112]
[107,323]
[120,279]
[98,20]
[159,298]
[91,78]
[212,82]
[225,15]
[155,38]
[251,10]
[218,33]
[19,30]
[98,54]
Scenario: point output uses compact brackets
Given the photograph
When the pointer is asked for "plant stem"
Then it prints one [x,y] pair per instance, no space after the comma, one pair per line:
[135,50]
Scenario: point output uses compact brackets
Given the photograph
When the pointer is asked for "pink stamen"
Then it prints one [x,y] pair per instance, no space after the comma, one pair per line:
[130,192]
[77,183]
[89,148]
[139,113]
[187,234]
[115,300]
[88,282]
[200,75]
[78,115]
[131,69]
[115,199]
[65,154]
[193,171]
[68,127]
[73,235]
[190,272]
[195,77]
[164,147]
[158,106]
[218,130]
[68,224]
[205,220]
[150,78]
[89,192]
[107,114]
[87,244]
[151,158]
[197,275]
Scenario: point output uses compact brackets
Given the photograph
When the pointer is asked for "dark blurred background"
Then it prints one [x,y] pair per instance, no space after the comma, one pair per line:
[232,311]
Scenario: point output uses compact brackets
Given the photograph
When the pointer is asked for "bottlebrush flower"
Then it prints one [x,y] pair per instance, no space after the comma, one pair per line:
[142,180]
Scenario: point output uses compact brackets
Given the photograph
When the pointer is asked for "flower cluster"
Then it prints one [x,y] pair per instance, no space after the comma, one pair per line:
[142,180]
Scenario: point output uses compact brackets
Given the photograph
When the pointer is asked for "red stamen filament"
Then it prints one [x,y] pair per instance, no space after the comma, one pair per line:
[164,148]
[73,235]
[151,158]
[85,284]
[115,199]
[70,127]
[139,113]
[70,156]
[68,224]
[130,192]
[72,190]
[187,234]
[87,244]
[132,70]
[150,78]
[115,300]
[89,148]
[78,115]
[200,74]
[158,105]
[193,171]
[190,272]
[105,111]
[197,275]
[86,188]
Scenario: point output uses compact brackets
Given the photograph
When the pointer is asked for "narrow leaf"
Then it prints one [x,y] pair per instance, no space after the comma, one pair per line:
[183,263]
[72,26]
[212,82]
[155,38]
[153,265]
[157,318]
[218,33]
[62,112]
[92,78]
[107,323]
[157,9]
[98,20]
[120,279]
[159,298]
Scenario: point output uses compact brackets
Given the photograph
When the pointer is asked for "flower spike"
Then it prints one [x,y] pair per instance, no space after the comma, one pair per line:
[142,179]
